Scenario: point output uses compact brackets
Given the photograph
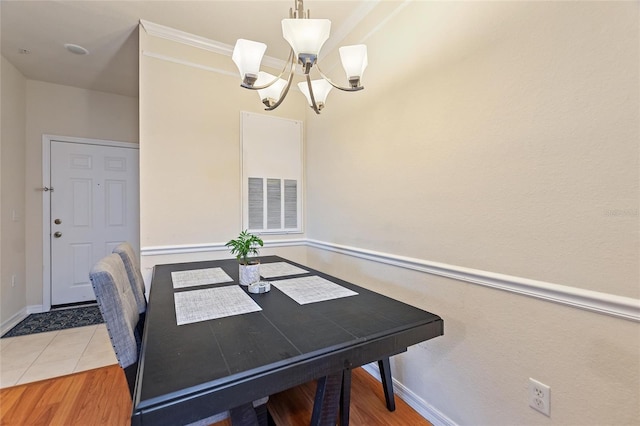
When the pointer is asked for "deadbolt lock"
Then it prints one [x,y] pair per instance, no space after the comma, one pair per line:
[57,221]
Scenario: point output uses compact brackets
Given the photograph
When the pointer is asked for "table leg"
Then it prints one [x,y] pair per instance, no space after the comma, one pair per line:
[264,418]
[244,415]
[345,397]
[387,383]
[327,400]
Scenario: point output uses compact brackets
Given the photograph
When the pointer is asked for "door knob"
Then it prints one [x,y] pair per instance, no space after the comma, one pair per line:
[57,234]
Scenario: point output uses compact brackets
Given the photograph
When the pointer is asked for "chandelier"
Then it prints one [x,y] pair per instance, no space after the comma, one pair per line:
[306,37]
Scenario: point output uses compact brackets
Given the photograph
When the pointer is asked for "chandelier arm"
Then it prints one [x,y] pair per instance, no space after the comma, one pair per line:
[346,89]
[285,91]
[289,63]
[313,98]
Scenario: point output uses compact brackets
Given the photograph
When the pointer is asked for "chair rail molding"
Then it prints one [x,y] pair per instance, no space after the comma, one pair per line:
[604,303]
[609,304]
[200,248]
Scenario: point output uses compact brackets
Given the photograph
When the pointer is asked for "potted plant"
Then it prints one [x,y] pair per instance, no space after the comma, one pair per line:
[244,247]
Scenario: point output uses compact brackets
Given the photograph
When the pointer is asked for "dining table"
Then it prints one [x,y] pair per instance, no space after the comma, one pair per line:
[209,345]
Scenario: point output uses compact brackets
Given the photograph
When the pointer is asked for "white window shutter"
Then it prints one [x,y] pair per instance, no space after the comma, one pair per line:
[274,204]
[290,204]
[256,203]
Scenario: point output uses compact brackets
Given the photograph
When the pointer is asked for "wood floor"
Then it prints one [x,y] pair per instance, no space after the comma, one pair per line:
[101,397]
[94,397]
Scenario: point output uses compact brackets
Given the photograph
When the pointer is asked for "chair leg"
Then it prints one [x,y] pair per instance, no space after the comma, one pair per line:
[387,383]
[130,373]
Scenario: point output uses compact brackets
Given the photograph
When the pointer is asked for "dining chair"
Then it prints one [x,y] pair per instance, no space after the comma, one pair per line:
[132,266]
[119,310]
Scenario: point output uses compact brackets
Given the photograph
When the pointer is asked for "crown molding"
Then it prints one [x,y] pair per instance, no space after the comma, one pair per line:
[349,24]
[199,42]
[187,63]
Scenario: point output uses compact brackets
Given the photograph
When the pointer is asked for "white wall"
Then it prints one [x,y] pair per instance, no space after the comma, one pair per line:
[506,141]
[12,188]
[65,111]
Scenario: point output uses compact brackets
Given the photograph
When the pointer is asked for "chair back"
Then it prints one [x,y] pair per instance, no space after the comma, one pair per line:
[132,266]
[118,308]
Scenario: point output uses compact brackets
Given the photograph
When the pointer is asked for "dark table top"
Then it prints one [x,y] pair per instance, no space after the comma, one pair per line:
[210,366]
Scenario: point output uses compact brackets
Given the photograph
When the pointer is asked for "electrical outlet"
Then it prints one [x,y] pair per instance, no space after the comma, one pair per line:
[539,396]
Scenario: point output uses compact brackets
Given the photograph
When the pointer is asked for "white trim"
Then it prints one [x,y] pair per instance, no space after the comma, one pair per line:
[13,321]
[426,410]
[594,301]
[187,63]
[183,37]
[200,42]
[89,141]
[199,248]
[340,33]
[19,316]
[167,58]
[46,202]
[382,23]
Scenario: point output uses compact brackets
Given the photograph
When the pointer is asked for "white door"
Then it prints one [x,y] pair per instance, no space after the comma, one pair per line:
[94,207]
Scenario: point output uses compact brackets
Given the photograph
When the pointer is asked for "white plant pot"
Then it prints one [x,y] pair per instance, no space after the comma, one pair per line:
[249,274]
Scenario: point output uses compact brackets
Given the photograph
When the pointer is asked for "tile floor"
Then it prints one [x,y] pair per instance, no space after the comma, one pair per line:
[39,356]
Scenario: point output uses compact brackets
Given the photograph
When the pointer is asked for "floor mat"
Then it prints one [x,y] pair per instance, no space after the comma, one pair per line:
[57,320]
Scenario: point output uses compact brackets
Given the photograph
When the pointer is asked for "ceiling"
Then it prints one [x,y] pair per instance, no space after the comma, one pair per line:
[109,31]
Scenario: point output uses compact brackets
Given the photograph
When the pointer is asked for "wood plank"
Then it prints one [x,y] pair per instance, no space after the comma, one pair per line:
[95,397]
[101,397]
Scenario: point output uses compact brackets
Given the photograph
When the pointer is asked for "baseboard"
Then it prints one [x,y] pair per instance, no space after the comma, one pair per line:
[19,316]
[35,309]
[13,321]
[422,407]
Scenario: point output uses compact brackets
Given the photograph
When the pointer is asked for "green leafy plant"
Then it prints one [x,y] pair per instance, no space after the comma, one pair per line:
[244,246]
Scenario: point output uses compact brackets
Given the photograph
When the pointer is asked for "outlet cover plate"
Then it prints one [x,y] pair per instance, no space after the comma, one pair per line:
[539,396]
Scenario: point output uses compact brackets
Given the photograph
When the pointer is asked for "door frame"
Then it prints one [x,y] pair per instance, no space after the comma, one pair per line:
[46,201]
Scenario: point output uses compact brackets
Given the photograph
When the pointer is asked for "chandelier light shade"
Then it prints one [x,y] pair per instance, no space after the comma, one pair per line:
[305,37]
[270,94]
[354,61]
[247,56]
[320,88]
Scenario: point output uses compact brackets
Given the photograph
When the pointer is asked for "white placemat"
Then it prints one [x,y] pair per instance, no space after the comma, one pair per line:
[312,289]
[182,279]
[279,269]
[212,303]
